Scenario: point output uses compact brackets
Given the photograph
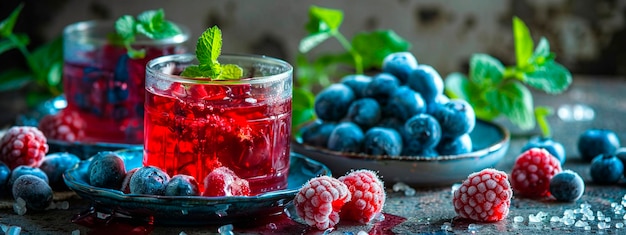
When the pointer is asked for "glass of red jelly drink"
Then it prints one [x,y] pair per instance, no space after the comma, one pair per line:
[194,125]
[103,86]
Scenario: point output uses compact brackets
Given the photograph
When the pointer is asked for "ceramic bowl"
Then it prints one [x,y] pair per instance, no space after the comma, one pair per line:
[191,210]
[490,142]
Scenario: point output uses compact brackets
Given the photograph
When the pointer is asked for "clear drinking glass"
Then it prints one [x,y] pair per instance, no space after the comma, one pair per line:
[194,125]
[103,86]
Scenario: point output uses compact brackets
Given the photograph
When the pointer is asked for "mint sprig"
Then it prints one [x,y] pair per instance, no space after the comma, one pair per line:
[494,89]
[150,23]
[365,51]
[45,63]
[208,50]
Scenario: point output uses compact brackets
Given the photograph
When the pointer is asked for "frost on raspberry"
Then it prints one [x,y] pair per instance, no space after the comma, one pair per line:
[368,196]
[65,126]
[23,145]
[224,182]
[484,196]
[532,173]
[320,200]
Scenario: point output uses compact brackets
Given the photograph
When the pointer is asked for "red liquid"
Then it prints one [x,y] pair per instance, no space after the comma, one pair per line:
[107,92]
[196,129]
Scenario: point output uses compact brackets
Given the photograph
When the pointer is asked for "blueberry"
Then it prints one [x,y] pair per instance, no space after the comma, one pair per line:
[358,83]
[382,141]
[346,137]
[364,112]
[594,142]
[5,174]
[422,131]
[107,170]
[34,191]
[27,170]
[149,180]
[400,64]
[453,146]
[405,103]
[456,118]
[555,148]
[567,186]
[606,169]
[621,155]
[182,185]
[439,101]
[332,102]
[393,123]
[427,81]
[55,164]
[316,133]
[381,87]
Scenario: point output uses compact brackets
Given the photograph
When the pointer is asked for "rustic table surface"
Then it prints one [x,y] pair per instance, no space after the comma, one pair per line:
[428,210]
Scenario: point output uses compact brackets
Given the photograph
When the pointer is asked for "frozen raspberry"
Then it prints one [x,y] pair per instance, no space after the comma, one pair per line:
[320,200]
[368,196]
[224,182]
[23,145]
[484,196]
[532,172]
[65,126]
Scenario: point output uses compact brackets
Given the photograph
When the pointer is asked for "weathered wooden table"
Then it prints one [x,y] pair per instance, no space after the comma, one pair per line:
[429,210]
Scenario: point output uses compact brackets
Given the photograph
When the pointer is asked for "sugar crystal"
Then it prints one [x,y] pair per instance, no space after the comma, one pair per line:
[362,233]
[587,228]
[76,232]
[226,229]
[580,224]
[569,221]
[518,219]
[619,225]
[603,225]
[272,226]
[555,219]
[19,206]
[447,226]
[408,191]
[14,230]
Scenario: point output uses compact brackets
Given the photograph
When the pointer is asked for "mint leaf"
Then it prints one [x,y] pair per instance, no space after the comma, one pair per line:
[12,79]
[542,53]
[552,78]
[193,71]
[231,71]
[515,101]
[209,46]
[523,42]
[457,86]
[13,41]
[485,70]
[375,46]
[125,27]
[313,40]
[323,19]
[303,111]
[541,115]
[6,26]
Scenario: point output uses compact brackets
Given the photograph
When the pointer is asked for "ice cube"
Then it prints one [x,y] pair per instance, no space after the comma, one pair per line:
[226,230]
[14,230]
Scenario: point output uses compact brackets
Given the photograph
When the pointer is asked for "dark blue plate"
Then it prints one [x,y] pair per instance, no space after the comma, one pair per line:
[192,210]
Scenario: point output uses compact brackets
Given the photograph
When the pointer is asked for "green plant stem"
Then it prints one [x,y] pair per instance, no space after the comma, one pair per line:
[358,61]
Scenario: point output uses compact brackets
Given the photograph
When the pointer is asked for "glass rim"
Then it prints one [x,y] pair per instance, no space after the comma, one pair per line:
[188,58]
[82,26]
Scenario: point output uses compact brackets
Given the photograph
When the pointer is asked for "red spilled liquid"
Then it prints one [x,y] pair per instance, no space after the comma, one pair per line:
[107,92]
[193,129]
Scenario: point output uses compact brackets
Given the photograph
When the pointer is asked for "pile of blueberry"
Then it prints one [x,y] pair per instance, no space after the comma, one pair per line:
[401,111]
[107,170]
[601,147]
[35,185]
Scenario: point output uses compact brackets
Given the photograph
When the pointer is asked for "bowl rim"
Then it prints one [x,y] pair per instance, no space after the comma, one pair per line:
[506,137]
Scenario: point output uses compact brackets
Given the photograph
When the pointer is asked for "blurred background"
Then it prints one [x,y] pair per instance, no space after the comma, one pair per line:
[587,36]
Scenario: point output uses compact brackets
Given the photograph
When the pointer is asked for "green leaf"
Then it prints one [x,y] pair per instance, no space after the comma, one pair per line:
[6,26]
[515,101]
[125,27]
[485,70]
[542,53]
[19,40]
[375,46]
[209,46]
[457,86]
[541,115]
[231,71]
[13,79]
[135,54]
[194,71]
[55,74]
[323,19]
[303,103]
[313,40]
[523,42]
[552,78]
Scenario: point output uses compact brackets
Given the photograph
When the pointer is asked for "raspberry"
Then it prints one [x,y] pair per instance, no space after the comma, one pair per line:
[532,172]
[23,145]
[368,196]
[319,201]
[224,182]
[484,196]
[65,126]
